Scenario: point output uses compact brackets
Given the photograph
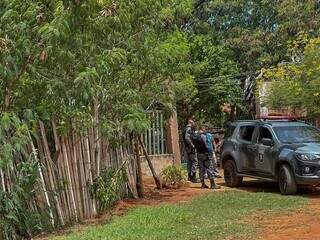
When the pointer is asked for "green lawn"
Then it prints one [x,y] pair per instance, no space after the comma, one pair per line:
[214,216]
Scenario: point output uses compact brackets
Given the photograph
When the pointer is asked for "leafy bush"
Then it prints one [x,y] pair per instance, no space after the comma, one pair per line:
[106,188]
[174,176]
[17,219]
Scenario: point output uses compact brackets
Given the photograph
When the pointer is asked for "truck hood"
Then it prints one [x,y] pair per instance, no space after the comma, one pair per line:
[313,148]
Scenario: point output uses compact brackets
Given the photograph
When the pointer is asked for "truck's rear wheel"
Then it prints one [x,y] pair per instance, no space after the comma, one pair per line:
[230,174]
[287,182]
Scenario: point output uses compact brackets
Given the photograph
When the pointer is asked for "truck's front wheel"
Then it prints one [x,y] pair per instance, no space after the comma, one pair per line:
[230,174]
[287,182]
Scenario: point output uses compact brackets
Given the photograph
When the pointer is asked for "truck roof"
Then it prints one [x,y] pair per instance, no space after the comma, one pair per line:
[283,122]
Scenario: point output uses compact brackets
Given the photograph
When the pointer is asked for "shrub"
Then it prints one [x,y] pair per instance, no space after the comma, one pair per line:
[174,176]
[17,219]
[106,188]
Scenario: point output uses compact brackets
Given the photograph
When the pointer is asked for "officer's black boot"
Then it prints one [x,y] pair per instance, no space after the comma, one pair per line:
[189,177]
[213,185]
[203,184]
[193,178]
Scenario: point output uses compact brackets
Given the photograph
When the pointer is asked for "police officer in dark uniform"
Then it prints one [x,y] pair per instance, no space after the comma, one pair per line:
[189,151]
[204,161]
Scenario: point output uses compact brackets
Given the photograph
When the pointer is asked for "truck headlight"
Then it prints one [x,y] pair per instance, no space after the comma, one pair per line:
[307,156]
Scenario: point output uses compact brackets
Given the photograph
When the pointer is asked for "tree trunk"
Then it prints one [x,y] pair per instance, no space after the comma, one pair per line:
[139,172]
[156,178]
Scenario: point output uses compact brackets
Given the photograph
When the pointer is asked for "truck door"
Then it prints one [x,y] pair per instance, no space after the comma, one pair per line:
[247,157]
[263,158]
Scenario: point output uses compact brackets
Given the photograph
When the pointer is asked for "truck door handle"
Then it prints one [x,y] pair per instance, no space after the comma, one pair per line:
[252,148]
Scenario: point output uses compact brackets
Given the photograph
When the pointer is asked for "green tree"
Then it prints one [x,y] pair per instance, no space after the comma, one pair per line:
[295,85]
[83,64]
[234,40]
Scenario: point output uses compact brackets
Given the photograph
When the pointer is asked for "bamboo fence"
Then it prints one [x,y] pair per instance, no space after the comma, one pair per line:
[67,166]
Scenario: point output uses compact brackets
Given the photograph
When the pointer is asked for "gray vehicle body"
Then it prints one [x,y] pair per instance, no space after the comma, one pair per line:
[254,159]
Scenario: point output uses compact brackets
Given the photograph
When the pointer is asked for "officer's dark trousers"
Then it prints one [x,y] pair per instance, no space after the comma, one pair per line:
[191,162]
[205,166]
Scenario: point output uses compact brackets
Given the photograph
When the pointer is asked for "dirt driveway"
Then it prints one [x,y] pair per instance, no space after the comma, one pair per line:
[303,224]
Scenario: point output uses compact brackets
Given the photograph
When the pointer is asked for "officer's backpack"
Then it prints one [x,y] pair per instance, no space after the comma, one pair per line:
[199,144]
[184,136]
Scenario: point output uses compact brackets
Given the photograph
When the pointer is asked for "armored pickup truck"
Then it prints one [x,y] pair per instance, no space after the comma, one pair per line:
[286,151]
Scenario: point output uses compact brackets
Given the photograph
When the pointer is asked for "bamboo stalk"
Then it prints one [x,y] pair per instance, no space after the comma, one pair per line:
[34,152]
[83,178]
[91,148]
[69,161]
[94,209]
[51,172]
[86,176]
[2,181]
[64,153]
[60,166]
[77,175]
[97,136]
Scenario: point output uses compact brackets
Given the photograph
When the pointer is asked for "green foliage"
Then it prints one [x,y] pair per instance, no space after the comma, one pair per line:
[106,188]
[257,32]
[14,135]
[231,40]
[117,53]
[213,216]
[17,219]
[174,176]
[136,122]
[295,85]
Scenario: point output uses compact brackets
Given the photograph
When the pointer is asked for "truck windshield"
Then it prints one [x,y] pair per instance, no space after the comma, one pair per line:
[297,134]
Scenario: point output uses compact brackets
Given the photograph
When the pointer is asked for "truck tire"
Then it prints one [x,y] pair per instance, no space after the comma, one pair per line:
[287,182]
[230,174]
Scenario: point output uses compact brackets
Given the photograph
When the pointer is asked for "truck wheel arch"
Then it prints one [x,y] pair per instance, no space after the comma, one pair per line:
[225,159]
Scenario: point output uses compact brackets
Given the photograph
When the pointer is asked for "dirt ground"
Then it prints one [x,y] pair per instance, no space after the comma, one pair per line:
[155,197]
[302,224]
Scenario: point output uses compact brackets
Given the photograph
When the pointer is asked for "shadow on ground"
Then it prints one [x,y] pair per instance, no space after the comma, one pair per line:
[251,185]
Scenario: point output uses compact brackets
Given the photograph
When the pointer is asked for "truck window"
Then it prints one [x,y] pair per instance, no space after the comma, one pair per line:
[246,132]
[264,133]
